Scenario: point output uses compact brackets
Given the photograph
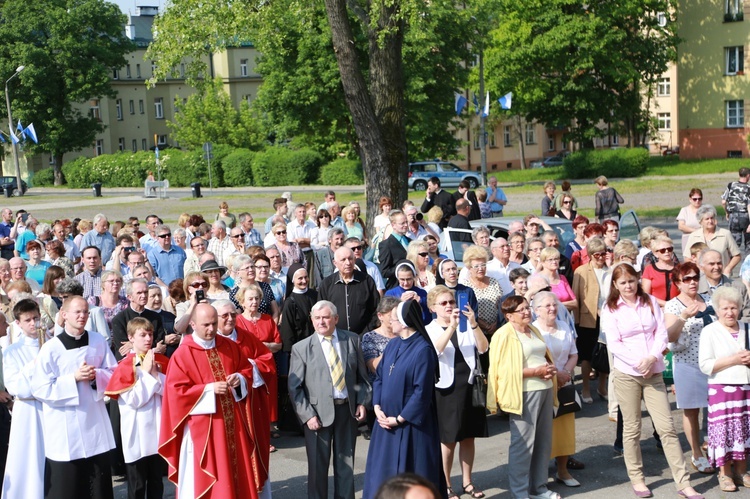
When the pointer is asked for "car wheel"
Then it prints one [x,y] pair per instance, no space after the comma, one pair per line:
[420,185]
[473,183]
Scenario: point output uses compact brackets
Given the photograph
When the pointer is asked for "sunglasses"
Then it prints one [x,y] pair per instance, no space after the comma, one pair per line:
[697,199]
[423,254]
[356,248]
[164,236]
[690,278]
[446,303]
[136,225]
[599,254]
[281,232]
[324,216]
[664,251]
[237,236]
[128,249]
[564,202]
[197,285]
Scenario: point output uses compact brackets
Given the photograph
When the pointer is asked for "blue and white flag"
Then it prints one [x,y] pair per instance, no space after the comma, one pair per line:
[20,127]
[13,138]
[460,103]
[31,133]
[477,109]
[506,100]
[486,110]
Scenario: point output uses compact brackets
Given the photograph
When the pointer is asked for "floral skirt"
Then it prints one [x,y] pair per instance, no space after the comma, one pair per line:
[728,423]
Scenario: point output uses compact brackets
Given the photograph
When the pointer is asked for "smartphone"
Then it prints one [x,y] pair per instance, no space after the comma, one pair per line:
[200,296]
[24,217]
[462,299]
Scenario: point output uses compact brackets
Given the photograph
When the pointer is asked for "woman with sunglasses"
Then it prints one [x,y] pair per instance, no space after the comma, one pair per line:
[289,250]
[418,253]
[319,236]
[591,286]
[246,275]
[687,220]
[686,314]
[566,210]
[657,278]
[486,289]
[408,290]
[637,338]
[458,350]
[193,282]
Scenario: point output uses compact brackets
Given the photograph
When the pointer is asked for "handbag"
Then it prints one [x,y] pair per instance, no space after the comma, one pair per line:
[600,358]
[568,401]
[479,388]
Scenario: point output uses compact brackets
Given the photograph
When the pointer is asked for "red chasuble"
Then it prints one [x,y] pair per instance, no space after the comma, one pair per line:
[124,377]
[262,399]
[223,466]
[264,330]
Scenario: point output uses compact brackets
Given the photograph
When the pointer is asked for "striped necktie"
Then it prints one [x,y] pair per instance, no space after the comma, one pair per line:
[334,362]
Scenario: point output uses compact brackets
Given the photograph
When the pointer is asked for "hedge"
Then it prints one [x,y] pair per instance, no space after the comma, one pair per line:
[614,163]
[238,168]
[44,178]
[283,166]
[342,172]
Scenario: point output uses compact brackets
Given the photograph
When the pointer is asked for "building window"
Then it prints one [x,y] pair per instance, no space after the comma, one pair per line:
[99,147]
[733,11]
[507,136]
[116,74]
[564,145]
[615,140]
[140,106]
[735,113]
[735,60]
[551,143]
[153,67]
[94,110]
[161,140]
[664,88]
[135,145]
[493,139]
[530,133]
[132,106]
[665,121]
[118,107]
[121,143]
[137,70]
[243,67]
[127,71]
[159,108]
[144,145]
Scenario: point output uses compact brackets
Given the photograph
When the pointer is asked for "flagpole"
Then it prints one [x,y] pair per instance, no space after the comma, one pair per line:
[10,129]
[482,118]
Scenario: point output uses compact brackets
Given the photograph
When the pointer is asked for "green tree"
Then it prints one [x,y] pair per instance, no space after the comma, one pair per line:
[368,77]
[70,49]
[209,116]
[575,64]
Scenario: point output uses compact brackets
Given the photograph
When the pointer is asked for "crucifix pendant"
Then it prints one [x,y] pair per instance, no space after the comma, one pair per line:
[391,369]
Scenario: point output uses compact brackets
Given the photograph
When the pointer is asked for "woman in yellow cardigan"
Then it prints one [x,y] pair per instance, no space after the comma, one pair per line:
[521,382]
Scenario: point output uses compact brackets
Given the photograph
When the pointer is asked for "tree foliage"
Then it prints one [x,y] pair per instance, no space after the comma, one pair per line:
[210,116]
[70,49]
[574,64]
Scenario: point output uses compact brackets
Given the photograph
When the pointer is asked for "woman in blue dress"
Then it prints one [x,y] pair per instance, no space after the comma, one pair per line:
[406,436]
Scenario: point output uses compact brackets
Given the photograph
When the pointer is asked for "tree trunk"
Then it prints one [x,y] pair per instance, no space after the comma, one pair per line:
[521,148]
[58,168]
[378,117]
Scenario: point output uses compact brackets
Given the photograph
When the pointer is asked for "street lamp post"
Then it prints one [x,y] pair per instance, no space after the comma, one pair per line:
[10,129]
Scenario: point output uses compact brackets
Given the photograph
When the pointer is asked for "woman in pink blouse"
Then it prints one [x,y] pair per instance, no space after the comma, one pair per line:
[549,260]
[636,337]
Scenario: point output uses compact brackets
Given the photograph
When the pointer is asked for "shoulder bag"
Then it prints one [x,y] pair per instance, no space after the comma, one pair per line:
[479,388]
[568,400]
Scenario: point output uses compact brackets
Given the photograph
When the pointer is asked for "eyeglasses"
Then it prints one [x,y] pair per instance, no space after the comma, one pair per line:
[356,248]
[446,303]
[424,254]
[324,216]
[697,199]
[113,281]
[247,269]
[237,236]
[479,266]
[262,267]
[664,251]
[599,254]
[196,285]
[521,310]
[136,225]
[564,202]
[690,278]
[128,249]
[281,232]
[163,236]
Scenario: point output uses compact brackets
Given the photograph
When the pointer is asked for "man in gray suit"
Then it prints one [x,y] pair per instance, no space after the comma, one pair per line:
[329,386]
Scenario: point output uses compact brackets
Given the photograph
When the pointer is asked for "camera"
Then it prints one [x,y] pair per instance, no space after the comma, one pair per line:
[419,217]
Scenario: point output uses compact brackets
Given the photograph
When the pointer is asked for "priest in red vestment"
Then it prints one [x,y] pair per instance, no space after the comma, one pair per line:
[205,436]
[262,395]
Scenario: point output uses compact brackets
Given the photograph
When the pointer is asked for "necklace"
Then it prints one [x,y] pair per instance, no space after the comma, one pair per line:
[399,352]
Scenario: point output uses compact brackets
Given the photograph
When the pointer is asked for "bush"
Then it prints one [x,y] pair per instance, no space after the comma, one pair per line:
[123,169]
[238,168]
[44,178]
[283,166]
[342,172]
[613,163]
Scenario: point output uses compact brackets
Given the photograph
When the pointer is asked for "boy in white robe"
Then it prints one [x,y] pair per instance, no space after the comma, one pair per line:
[70,376]
[24,473]
[137,386]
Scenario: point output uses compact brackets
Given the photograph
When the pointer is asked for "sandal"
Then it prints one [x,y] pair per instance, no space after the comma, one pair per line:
[726,484]
[476,494]
[742,480]
[451,494]
[702,465]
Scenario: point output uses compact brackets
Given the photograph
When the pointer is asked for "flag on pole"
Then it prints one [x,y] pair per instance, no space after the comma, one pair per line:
[31,133]
[506,100]
[476,105]
[19,127]
[460,103]
[13,138]
[486,110]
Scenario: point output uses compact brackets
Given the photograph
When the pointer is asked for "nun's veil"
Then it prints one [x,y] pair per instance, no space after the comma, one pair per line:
[293,268]
[410,315]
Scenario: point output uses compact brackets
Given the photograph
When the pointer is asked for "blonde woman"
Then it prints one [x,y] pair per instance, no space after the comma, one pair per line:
[418,253]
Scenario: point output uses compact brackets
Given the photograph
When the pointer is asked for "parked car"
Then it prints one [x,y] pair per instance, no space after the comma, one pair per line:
[449,174]
[630,227]
[556,160]
[12,182]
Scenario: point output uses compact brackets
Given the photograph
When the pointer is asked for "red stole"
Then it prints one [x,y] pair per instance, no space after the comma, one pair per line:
[223,467]
[124,377]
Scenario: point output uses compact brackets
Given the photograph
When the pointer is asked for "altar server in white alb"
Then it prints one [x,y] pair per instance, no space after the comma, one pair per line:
[70,377]
[24,473]
[137,386]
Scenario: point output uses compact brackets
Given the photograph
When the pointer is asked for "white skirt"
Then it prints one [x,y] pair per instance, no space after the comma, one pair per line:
[691,386]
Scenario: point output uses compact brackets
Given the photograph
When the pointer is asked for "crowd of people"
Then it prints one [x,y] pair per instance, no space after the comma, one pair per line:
[184,351]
